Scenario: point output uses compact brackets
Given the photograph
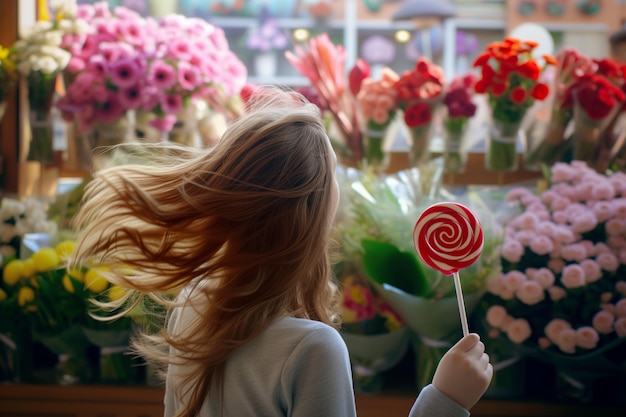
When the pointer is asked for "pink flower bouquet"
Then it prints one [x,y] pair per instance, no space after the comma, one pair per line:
[377,105]
[562,290]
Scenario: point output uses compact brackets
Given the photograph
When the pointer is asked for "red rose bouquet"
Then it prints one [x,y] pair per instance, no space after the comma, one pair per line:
[509,75]
[595,99]
[419,93]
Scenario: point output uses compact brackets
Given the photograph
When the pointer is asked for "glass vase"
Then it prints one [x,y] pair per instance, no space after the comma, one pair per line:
[70,346]
[41,87]
[454,152]
[501,152]
[545,145]
[185,130]
[104,136]
[588,136]
[419,145]
[375,157]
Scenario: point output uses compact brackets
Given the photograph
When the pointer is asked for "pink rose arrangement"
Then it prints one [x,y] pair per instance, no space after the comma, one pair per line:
[377,105]
[130,63]
[562,288]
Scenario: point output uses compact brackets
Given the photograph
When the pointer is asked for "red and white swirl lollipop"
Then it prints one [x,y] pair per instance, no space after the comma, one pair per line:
[448,237]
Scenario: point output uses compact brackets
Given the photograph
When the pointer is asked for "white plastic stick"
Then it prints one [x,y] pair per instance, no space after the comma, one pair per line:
[459,298]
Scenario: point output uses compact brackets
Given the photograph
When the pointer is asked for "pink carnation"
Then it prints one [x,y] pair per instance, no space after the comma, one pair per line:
[556,265]
[573,276]
[527,220]
[514,280]
[567,341]
[574,252]
[547,228]
[541,245]
[544,343]
[599,248]
[603,322]
[620,327]
[603,190]
[587,337]
[530,293]
[562,172]
[554,329]
[517,193]
[556,293]
[518,331]
[560,203]
[544,277]
[525,236]
[615,226]
[619,205]
[496,285]
[592,270]
[584,222]
[608,261]
[496,315]
[559,217]
[620,308]
[564,234]
[603,210]
[512,250]
[616,242]
[620,287]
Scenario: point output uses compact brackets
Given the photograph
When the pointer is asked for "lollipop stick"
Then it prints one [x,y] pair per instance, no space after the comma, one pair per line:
[459,299]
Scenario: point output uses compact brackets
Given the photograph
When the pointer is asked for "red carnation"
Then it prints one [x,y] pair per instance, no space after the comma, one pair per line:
[417,115]
[518,95]
[539,91]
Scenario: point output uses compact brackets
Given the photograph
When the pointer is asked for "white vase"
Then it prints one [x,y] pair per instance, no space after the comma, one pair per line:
[266,64]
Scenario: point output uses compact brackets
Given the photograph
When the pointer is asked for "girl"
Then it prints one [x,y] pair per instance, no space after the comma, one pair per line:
[241,233]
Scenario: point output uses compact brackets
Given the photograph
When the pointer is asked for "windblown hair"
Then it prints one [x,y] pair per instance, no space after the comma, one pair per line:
[248,219]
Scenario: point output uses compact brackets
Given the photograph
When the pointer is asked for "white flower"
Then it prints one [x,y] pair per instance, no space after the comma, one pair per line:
[65,8]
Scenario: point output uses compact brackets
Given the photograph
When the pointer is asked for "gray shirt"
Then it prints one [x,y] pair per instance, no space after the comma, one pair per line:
[296,368]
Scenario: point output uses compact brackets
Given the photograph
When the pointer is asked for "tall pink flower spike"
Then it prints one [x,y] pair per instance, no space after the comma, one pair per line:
[447,237]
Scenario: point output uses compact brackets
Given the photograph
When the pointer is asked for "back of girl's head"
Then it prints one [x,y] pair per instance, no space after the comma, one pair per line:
[252,214]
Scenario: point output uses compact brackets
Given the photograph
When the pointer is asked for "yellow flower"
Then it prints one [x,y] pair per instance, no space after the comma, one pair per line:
[116,293]
[25,296]
[3,295]
[67,284]
[94,281]
[29,268]
[34,283]
[45,259]
[65,249]
[77,274]
[13,272]
[6,64]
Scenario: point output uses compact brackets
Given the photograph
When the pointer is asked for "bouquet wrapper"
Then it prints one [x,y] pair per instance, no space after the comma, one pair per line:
[372,354]
[435,324]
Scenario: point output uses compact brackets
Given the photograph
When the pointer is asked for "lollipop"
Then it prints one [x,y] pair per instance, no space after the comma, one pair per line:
[448,237]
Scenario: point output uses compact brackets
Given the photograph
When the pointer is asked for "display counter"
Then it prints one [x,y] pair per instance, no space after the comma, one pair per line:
[23,400]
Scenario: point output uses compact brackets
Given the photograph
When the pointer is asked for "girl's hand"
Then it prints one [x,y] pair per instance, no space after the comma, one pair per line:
[464,372]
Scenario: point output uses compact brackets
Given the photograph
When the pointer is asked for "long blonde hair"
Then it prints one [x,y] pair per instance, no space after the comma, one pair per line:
[250,218]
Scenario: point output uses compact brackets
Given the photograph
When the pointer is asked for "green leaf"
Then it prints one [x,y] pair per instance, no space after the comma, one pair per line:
[385,263]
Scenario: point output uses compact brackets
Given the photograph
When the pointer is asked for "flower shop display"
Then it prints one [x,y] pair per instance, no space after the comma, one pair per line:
[376,336]
[377,105]
[375,225]
[460,109]
[584,109]
[8,77]
[509,75]
[323,64]
[420,92]
[40,59]
[561,295]
[129,72]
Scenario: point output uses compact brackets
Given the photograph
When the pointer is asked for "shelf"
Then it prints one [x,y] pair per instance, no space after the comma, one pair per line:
[142,401]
